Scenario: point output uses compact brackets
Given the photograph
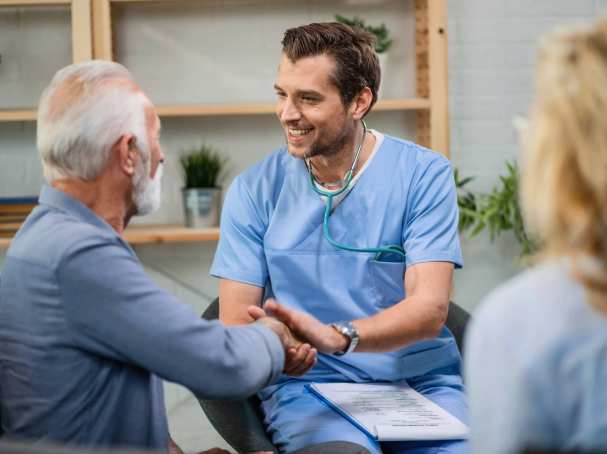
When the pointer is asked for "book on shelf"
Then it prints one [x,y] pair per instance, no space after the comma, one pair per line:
[9,229]
[15,206]
[5,226]
[12,217]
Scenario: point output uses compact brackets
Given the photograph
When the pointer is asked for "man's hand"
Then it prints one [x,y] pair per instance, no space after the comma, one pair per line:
[299,357]
[324,337]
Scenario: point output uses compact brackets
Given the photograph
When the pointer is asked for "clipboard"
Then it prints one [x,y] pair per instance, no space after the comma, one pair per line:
[390,411]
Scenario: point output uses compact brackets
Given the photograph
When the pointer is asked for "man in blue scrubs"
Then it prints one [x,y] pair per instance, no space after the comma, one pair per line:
[389,309]
[85,335]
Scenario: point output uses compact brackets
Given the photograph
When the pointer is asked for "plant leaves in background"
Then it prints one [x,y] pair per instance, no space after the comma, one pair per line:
[497,211]
[202,167]
[381,32]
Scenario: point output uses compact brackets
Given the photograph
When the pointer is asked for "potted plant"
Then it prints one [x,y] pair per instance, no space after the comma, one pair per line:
[498,210]
[202,169]
[381,33]
[383,42]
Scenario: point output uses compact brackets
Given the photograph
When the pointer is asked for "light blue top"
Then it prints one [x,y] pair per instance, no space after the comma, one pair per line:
[85,336]
[536,366]
[271,236]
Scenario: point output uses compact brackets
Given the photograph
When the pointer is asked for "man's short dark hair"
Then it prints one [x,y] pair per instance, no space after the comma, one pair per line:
[356,63]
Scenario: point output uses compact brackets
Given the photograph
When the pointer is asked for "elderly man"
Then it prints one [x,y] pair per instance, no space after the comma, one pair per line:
[85,335]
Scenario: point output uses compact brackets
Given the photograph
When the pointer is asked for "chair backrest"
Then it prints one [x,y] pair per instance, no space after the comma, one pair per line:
[212,311]
[239,422]
[457,321]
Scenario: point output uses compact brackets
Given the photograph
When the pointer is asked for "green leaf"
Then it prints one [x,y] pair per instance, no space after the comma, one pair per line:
[202,167]
[380,32]
[497,211]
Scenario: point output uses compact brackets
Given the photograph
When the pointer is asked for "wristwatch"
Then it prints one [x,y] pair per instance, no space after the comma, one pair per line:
[349,330]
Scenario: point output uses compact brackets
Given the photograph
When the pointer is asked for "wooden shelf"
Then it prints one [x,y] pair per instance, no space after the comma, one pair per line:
[149,234]
[209,110]
[157,234]
[270,108]
[18,115]
[33,2]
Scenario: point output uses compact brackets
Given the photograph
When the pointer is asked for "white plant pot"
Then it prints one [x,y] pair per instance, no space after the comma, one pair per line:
[202,207]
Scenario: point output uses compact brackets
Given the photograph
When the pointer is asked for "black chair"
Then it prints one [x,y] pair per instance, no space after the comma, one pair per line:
[240,422]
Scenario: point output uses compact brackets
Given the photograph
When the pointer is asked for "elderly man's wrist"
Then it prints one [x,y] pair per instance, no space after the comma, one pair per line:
[280,329]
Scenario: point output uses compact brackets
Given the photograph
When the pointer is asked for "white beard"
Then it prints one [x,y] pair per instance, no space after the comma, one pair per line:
[146,191]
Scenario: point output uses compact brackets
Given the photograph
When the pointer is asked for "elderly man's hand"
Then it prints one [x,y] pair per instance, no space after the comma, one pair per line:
[299,356]
[324,337]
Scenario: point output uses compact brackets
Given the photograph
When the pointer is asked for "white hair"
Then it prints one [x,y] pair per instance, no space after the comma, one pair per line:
[83,112]
[146,192]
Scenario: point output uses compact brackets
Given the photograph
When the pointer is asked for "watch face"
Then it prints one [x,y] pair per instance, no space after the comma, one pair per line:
[348,330]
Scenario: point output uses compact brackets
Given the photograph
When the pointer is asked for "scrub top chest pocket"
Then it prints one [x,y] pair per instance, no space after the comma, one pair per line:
[388,282]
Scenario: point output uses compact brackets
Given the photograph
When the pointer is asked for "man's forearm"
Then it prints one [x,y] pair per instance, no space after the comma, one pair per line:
[412,320]
[234,300]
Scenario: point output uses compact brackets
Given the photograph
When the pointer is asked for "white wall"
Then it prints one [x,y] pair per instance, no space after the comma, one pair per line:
[492,45]
[212,51]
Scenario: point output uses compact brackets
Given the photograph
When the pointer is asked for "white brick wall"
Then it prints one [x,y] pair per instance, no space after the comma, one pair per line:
[491,51]
[492,45]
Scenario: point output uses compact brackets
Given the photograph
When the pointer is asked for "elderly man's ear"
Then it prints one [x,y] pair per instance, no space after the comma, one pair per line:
[126,152]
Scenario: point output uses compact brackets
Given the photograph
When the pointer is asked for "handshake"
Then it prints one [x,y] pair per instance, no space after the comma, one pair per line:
[302,335]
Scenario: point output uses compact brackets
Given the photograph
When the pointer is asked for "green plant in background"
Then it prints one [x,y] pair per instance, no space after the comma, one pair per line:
[202,167]
[498,211]
[466,201]
[381,33]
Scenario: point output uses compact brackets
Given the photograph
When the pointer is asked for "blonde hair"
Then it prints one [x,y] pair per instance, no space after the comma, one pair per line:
[564,184]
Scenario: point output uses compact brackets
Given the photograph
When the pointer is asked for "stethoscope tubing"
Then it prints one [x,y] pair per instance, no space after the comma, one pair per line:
[390,249]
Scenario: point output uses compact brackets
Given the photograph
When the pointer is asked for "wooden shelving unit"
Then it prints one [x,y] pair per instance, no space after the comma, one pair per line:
[92,37]
[210,110]
[155,234]
[82,37]
[431,103]
[17,115]
[34,2]
[158,234]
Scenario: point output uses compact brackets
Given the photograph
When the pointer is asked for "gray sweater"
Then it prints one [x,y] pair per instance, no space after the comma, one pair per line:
[536,366]
[85,337]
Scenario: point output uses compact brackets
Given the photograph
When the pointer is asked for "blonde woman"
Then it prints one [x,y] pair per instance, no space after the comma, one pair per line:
[537,350]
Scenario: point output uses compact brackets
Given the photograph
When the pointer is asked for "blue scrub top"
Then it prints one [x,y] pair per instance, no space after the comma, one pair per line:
[271,236]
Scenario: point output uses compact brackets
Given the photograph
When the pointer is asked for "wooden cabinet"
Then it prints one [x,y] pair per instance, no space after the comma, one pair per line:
[101,30]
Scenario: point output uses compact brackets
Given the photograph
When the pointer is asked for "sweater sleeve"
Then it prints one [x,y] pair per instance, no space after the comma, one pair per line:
[118,313]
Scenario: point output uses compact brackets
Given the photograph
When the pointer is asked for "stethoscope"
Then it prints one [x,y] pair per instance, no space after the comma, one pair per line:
[345,183]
